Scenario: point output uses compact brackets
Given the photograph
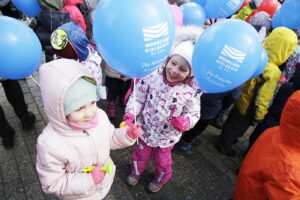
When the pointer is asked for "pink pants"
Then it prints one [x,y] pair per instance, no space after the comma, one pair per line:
[162,161]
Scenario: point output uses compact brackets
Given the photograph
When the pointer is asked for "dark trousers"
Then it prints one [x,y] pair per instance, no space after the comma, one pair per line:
[235,126]
[15,97]
[116,88]
[191,134]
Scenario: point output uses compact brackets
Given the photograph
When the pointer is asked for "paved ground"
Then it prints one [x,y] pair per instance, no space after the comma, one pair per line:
[208,176]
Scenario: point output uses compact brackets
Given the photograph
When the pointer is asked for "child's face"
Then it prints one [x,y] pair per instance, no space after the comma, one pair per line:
[177,69]
[83,115]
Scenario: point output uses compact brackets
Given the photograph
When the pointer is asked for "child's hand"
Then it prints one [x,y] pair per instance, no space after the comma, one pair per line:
[181,123]
[98,174]
[135,131]
[127,120]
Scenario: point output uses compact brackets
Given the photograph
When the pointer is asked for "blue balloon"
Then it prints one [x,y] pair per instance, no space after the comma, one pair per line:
[263,63]
[222,8]
[290,14]
[134,37]
[193,14]
[29,7]
[20,49]
[226,55]
[276,20]
[200,2]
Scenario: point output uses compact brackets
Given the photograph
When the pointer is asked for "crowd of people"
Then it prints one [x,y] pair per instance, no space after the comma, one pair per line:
[164,112]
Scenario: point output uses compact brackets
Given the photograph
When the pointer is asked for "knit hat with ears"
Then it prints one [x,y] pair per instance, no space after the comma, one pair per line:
[80,93]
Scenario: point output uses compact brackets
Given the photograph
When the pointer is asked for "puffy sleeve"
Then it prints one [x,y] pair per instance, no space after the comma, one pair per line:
[192,108]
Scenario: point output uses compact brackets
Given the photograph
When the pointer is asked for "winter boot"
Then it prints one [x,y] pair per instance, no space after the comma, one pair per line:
[154,187]
[27,121]
[8,135]
[132,179]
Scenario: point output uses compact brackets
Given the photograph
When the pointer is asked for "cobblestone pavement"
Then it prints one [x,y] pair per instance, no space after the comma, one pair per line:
[208,175]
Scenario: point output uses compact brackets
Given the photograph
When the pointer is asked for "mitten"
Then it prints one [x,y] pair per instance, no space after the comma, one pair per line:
[128,118]
[181,123]
[135,131]
[97,174]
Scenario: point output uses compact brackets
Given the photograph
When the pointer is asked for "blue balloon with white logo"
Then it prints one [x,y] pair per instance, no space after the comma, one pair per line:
[226,55]
[200,2]
[29,7]
[263,63]
[222,8]
[134,37]
[276,20]
[20,49]
[193,14]
[290,14]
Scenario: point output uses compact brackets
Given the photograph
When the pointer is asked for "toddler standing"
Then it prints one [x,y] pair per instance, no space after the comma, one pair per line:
[73,152]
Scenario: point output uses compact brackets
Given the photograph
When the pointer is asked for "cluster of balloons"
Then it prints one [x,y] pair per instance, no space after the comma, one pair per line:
[135,38]
[288,15]
[20,49]
[220,61]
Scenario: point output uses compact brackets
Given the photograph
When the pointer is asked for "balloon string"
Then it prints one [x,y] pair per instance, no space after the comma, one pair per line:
[134,104]
[34,80]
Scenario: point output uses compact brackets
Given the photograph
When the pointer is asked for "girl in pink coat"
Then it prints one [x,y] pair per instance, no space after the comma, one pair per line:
[73,151]
[166,104]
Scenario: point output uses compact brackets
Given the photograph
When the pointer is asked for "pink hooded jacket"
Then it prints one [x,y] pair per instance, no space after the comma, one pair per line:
[75,12]
[62,151]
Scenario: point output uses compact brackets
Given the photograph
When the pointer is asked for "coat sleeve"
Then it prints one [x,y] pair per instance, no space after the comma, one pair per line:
[192,108]
[266,92]
[120,139]
[136,104]
[54,177]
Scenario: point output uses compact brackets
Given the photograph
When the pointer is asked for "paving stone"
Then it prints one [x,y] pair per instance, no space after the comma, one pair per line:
[20,151]
[8,166]
[30,141]
[14,190]
[28,173]
[34,192]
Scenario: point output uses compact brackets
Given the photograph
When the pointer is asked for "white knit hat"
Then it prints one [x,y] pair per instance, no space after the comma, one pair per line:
[184,49]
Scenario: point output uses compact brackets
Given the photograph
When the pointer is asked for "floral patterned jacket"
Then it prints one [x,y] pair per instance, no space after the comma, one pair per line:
[155,102]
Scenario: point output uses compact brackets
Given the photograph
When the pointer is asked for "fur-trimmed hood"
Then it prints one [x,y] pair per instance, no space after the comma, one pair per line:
[184,33]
